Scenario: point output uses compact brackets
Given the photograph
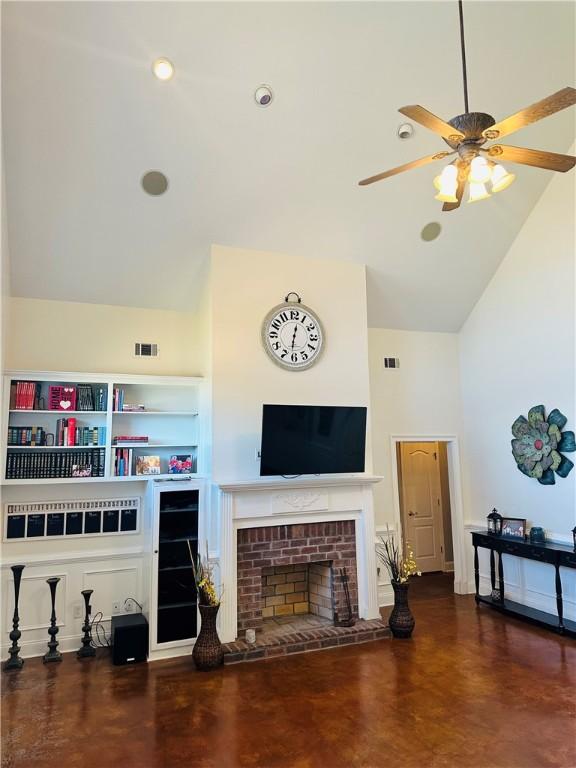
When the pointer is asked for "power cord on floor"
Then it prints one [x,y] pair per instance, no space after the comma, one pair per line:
[97,624]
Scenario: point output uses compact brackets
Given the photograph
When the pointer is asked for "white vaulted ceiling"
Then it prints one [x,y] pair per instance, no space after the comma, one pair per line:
[84,118]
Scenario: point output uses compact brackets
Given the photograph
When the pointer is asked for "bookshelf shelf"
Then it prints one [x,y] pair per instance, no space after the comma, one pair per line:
[54,447]
[177,428]
[60,414]
[163,476]
[154,413]
[153,445]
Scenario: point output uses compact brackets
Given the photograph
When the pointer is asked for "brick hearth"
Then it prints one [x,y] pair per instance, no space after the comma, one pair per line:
[314,638]
[330,543]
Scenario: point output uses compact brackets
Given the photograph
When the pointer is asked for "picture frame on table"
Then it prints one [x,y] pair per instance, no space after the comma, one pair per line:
[514,528]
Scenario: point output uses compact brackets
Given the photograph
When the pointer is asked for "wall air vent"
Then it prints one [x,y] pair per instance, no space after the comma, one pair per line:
[391,362]
[145,350]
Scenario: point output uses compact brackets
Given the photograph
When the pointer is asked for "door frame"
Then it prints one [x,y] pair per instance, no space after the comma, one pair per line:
[456,499]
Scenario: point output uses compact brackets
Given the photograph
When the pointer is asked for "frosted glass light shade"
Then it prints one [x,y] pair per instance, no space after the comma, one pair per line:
[501,179]
[447,195]
[479,170]
[477,192]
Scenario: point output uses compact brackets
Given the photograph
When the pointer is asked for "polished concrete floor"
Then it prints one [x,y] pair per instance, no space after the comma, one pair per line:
[471,689]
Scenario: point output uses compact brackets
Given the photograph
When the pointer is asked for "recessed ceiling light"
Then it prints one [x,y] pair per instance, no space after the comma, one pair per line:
[263,95]
[430,231]
[163,69]
[154,183]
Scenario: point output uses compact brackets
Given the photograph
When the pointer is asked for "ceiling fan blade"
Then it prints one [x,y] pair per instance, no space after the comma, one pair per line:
[459,194]
[428,120]
[406,167]
[548,106]
[536,157]
[462,178]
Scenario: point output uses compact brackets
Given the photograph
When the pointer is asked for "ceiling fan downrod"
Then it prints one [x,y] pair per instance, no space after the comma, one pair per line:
[463,47]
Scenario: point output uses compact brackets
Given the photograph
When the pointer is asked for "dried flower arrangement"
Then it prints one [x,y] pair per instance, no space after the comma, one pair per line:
[399,566]
[203,579]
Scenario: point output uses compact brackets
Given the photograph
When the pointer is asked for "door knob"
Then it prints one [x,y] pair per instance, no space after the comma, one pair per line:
[411,514]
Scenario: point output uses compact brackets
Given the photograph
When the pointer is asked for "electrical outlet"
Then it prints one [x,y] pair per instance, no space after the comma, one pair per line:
[129,606]
[116,607]
[78,611]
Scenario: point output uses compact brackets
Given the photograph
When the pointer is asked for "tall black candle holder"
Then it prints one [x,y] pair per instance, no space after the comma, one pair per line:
[52,654]
[15,661]
[87,650]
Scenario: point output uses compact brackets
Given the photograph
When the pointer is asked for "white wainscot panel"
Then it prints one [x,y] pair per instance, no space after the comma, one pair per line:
[35,602]
[113,577]
[110,585]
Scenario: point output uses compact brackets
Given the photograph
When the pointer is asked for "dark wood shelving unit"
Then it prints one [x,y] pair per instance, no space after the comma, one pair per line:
[556,555]
[177,600]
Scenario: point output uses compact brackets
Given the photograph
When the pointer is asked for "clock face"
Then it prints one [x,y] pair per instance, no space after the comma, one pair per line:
[292,335]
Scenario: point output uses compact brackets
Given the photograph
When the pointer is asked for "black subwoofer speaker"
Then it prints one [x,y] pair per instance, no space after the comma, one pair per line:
[129,638]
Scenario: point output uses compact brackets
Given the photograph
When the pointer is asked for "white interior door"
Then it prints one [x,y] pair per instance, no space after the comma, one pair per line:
[421,505]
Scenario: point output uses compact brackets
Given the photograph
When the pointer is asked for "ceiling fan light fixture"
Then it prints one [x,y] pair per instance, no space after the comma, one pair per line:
[447,196]
[478,191]
[446,184]
[480,171]
[501,178]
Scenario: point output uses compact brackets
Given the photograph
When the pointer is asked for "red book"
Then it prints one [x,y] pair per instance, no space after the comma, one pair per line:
[19,395]
[71,431]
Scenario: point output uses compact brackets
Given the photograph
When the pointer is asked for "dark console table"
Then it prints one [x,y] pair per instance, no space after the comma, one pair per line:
[556,555]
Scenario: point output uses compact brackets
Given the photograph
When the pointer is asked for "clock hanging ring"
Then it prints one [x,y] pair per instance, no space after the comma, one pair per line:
[292,334]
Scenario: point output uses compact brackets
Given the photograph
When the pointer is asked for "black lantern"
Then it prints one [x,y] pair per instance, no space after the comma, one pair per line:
[574,537]
[494,523]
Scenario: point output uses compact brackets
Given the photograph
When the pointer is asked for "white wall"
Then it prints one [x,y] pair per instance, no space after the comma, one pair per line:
[245,286]
[516,351]
[421,398]
[69,336]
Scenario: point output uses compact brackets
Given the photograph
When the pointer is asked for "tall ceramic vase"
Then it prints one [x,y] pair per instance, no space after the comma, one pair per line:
[401,621]
[208,653]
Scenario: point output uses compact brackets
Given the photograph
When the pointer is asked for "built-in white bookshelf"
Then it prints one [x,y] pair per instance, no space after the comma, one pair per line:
[171,418]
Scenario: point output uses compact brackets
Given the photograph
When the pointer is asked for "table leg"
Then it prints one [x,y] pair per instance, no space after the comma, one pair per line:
[476,574]
[559,604]
[501,576]
[492,574]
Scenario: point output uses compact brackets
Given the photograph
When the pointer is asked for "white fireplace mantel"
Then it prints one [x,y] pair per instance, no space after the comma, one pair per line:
[288,501]
[306,481]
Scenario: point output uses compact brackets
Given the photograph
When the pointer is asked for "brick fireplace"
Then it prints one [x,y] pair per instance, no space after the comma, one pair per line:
[286,570]
[309,523]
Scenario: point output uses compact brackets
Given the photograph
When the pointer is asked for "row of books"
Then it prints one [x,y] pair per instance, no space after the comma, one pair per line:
[53,464]
[68,433]
[118,403]
[28,436]
[23,395]
[26,396]
[123,462]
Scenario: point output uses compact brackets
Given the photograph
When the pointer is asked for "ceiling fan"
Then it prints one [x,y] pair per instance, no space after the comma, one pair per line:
[466,135]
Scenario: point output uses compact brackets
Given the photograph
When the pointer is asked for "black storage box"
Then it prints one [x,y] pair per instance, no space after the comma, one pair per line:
[129,638]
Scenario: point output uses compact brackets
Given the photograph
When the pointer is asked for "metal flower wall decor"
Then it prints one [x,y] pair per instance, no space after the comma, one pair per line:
[539,443]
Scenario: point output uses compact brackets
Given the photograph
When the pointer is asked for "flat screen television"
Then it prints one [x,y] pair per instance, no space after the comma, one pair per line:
[312,439]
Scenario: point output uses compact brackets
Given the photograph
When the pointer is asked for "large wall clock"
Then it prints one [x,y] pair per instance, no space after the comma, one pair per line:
[292,335]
